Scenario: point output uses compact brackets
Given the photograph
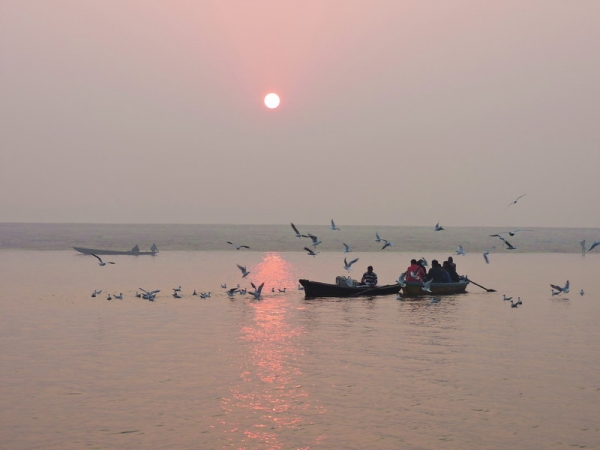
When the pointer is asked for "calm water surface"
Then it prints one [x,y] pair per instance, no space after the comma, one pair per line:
[286,373]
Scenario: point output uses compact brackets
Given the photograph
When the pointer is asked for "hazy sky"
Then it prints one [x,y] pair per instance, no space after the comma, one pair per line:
[393,112]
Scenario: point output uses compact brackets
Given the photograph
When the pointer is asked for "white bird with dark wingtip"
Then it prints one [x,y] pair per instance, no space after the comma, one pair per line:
[438,227]
[232,291]
[348,265]
[514,202]
[315,240]
[402,279]
[238,247]
[298,234]
[486,253]
[427,286]
[377,238]
[333,227]
[434,300]
[509,246]
[423,261]
[149,295]
[119,297]
[387,244]
[460,250]
[564,289]
[593,246]
[310,252]
[176,294]
[346,248]
[510,233]
[257,291]
[245,273]
[96,292]
[101,263]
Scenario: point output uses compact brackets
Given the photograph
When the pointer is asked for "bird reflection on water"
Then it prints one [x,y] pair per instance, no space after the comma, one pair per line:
[269,398]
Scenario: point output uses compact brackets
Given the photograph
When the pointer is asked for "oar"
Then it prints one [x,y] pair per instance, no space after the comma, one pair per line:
[489,290]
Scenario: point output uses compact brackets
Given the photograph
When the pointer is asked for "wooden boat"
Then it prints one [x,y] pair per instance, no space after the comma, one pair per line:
[95,251]
[314,289]
[414,289]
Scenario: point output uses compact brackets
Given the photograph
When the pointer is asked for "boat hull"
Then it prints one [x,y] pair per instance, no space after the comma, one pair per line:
[89,251]
[414,289]
[315,289]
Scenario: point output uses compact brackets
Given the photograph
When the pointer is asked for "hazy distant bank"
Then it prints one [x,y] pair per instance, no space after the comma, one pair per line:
[34,236]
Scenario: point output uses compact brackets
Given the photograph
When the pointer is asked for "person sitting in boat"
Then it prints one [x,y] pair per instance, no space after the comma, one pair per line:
[415,272]
[135,249]
[369,278]
[447,266]
[154,248]
[437,274]
[452,263]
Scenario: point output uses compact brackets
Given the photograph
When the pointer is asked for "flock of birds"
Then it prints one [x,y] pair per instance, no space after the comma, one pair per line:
[315,241]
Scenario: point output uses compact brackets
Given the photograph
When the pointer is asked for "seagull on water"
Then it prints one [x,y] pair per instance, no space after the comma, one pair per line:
[507,298]
[109,297]
[177,289]
[386,244]
[346,248]
[224,286]
[101,263]
[257,290]
[194,293]
[564,290]
[300,287]
[96,292]
[438,227]
[486,253]
[245,273]
[298,234]
[434,300]
[176,294]
[333,227]
[514,202]
[232,291]
[282,290]
[581,292]
[460,250]
[237,247]
[120,296]
[513,304]
[348,265]
[519,302]
[149,295]
[593,246]
[310,252]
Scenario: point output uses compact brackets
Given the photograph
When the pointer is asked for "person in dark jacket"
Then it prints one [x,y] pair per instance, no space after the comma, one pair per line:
[437,274]
[447,266]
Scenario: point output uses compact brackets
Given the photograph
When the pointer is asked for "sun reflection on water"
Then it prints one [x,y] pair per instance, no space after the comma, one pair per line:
[268,400]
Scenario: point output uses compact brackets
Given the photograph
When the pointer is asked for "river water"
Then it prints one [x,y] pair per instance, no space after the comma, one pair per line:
[288,373]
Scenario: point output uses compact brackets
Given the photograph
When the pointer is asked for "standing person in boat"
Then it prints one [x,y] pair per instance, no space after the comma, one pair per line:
[415,272]
[369,278]
[154,248]
[437,274]
[447,266]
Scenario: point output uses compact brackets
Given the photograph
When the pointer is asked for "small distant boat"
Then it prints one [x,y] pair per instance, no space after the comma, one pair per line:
[414,289]
[134,251]
[315,289]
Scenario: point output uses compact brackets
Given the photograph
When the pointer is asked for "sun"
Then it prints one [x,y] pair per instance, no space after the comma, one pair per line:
[272,100]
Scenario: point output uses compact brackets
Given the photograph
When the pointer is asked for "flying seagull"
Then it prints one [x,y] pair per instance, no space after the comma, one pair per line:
[438,227]
[386,244]
[593,246]
[245,273]
[486,253]
[346,248]
[564,289]
[315,240]
[333,227]
[402,279]
[310,252]
[298,234]
[509,246]
[510,233]
[516,200]
[237,247]
[348,265]
[377,238]
[460,250]
[101,263]
[427,286]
